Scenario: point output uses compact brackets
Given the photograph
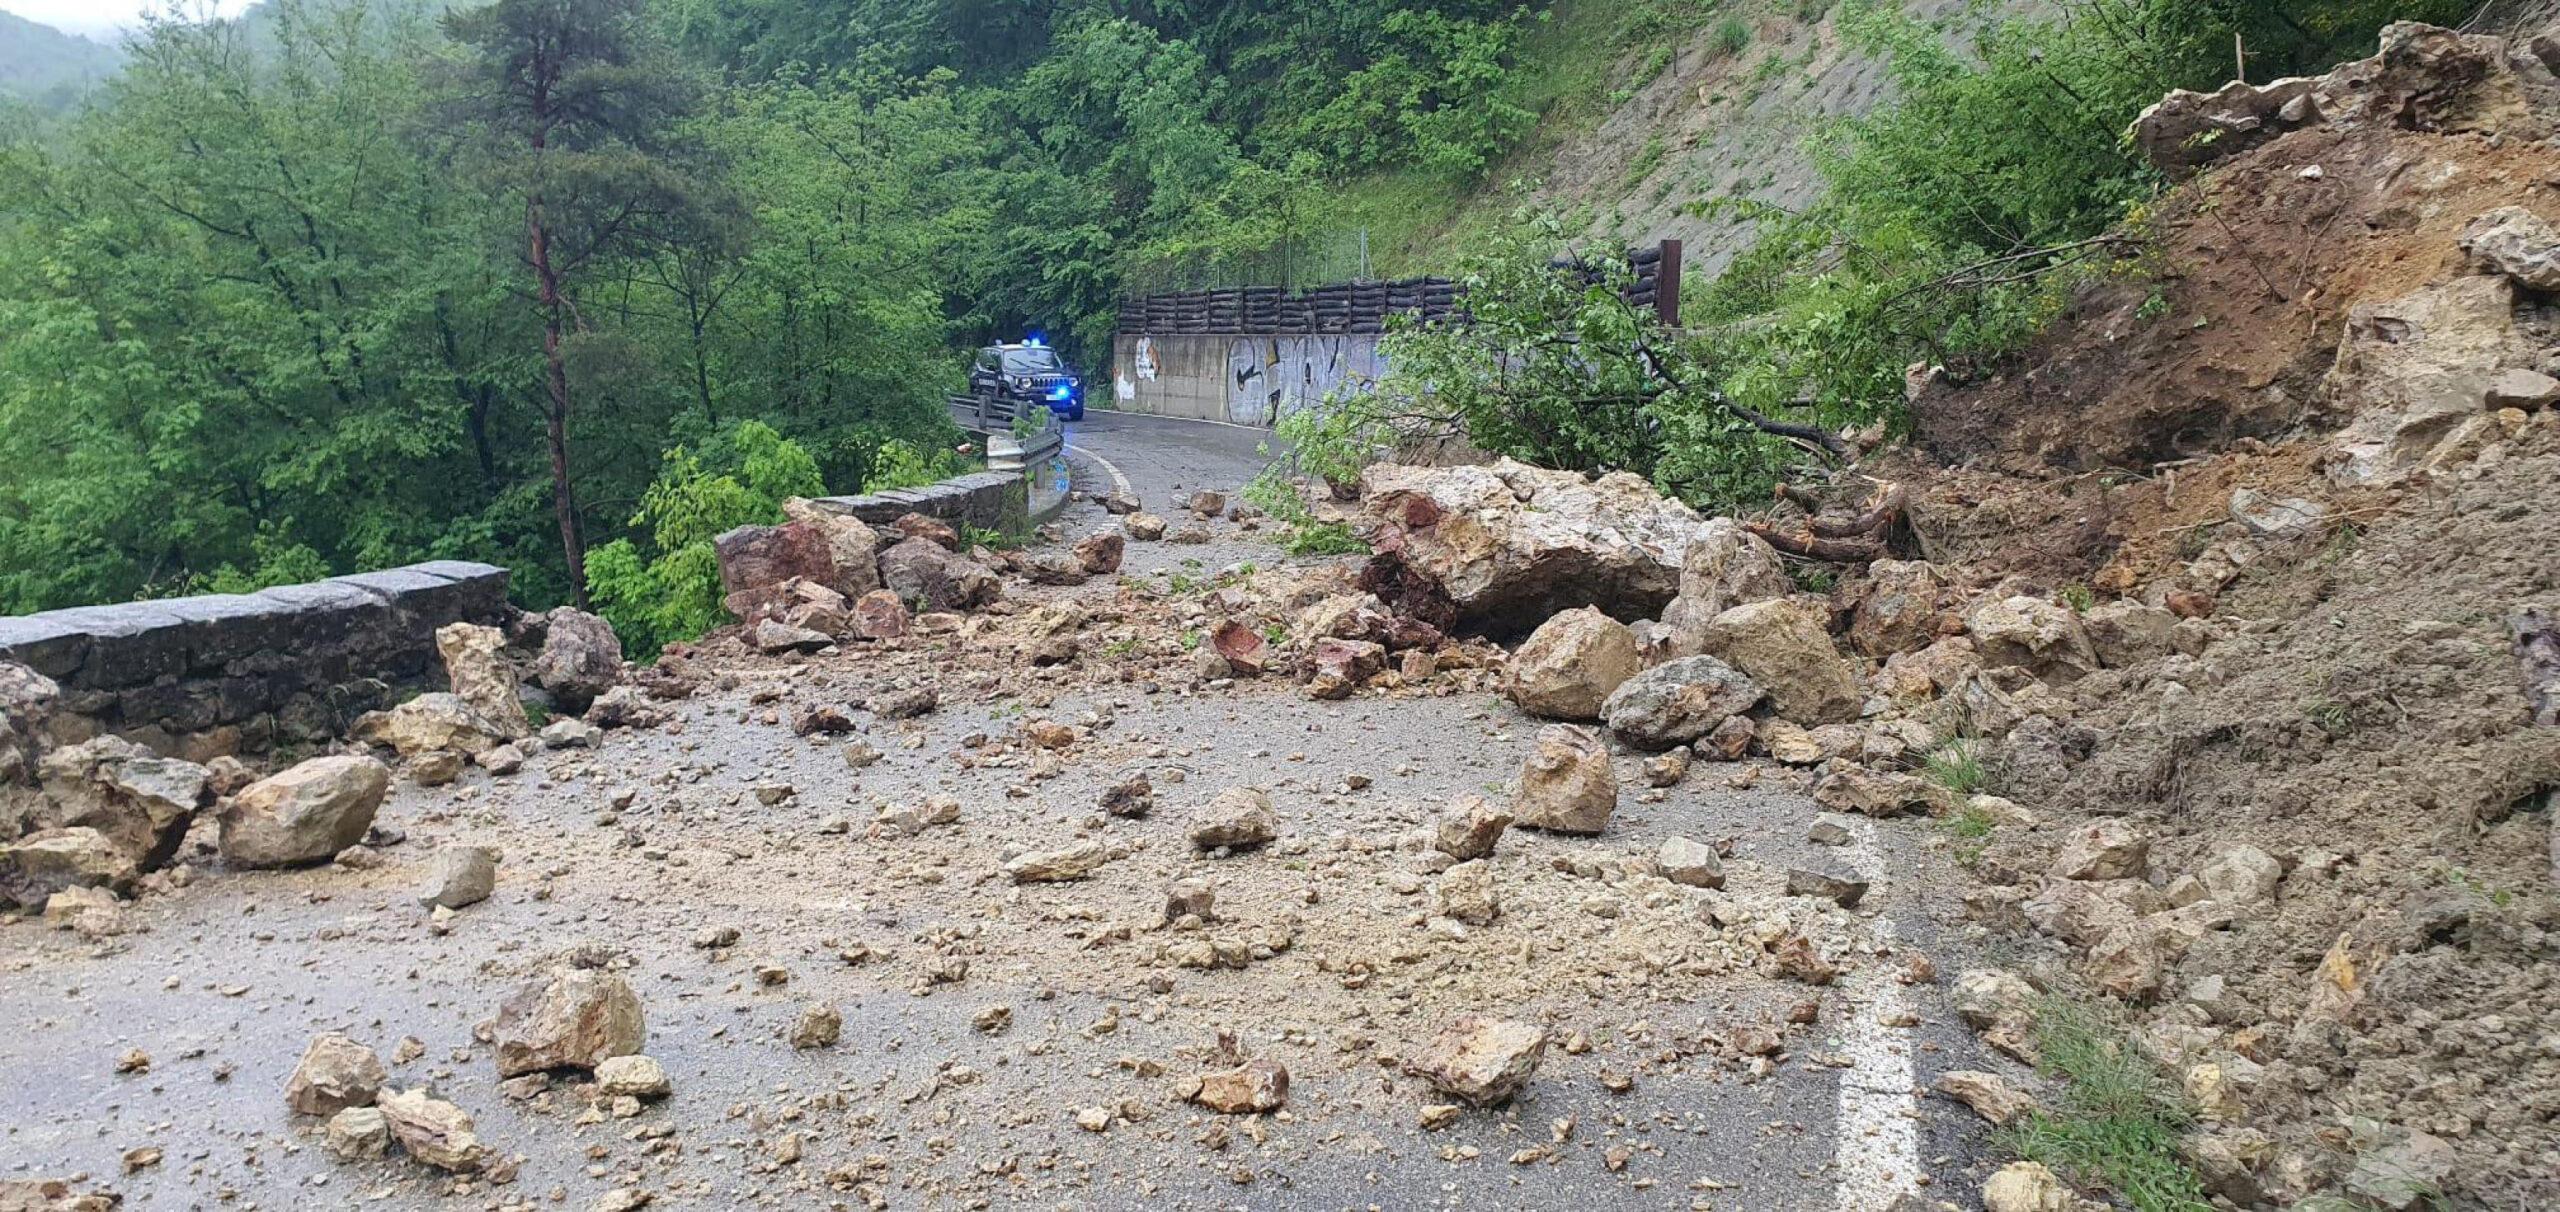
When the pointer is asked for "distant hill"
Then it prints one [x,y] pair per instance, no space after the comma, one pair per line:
[48,68]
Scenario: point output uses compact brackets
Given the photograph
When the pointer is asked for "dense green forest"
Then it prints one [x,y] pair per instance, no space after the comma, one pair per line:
[353,282]
[349,283]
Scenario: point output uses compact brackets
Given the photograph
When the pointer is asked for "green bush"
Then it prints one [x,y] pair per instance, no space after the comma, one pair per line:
[674,593]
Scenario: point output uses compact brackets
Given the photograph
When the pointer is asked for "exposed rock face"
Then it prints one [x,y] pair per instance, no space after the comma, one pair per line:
[1899,611]
[926,574]
[2518,243]
[140,800]
[480,678]
[2424,77]
[2041,637]
[1724,567]
[1481,1061]
[433,1131]
[569,1019]
[852,546]
[581,657]
[306,814]
[335,1073]
[1237,817]
[1783,645]
[2413,370]
[1566,786]
[1679,701]
[429,723]
[45,862]
[1571,664]
[1510,542]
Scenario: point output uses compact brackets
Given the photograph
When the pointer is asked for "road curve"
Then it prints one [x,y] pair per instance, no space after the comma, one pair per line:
[1164,459]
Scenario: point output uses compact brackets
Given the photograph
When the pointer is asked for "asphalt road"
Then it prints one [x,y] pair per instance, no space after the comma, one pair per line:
[1164,459]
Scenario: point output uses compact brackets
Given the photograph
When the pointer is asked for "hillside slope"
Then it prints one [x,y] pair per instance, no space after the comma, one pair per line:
[45,67]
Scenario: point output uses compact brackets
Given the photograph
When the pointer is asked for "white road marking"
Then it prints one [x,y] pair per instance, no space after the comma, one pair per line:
[1119,482]
[1877,1134]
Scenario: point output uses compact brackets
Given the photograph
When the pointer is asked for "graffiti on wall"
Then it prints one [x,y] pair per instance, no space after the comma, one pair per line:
[1270,377]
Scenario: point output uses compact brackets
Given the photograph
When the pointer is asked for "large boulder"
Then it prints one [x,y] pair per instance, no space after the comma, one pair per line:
[1509,542]
[306,814]
[852,546]
[430,723]
[570,1018]
[1679,701]
[581,657]
[48,861]
[1783,645]
[751,557]
[1571,664]
[2041,637]
[140,800]
[929,576]
[1725,566]
[2412,370]
[1899,610]
[1566,786]
[481,678]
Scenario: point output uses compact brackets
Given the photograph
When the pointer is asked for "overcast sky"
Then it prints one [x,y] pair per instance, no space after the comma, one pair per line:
[104,17]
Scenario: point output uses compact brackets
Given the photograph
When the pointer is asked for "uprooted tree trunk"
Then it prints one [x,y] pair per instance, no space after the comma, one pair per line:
[1854,539]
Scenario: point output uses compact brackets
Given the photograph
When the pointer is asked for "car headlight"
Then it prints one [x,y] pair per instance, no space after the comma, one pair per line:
[1022,381]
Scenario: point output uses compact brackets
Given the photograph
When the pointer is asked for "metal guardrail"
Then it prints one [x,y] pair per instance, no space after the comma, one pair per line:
[996,415]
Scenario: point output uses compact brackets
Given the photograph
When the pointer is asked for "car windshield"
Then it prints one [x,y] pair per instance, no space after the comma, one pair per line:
[1030,360]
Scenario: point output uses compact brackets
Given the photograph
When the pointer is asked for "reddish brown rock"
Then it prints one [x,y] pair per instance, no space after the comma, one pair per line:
[880,616]
[1244,649]
[933,530]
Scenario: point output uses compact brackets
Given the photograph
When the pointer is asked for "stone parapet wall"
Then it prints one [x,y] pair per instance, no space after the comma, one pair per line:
[233,673]
[994,500]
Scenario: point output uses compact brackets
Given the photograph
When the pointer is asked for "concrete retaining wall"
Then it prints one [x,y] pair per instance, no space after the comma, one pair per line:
[1239,379]
[233,673]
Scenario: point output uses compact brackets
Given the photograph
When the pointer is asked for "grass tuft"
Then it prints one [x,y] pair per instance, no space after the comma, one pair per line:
[2115,1120]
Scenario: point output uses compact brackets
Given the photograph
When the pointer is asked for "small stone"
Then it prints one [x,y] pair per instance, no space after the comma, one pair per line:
[1566,786]
[435,768]
[819,1026]
[1828,833]
[1436,1116]
[1194,898]
[993,1020]
[1470,826]
[1990,1096]
[1094,1119]
[1842,890]
[1131,797]
[2105,849]
[358,1133]
[434,1131]
[1481,1061]
[1667,769]
[1145,527]
[571,1019]
[463,875]
[1236,818]
[335,1073]
[633,1076]
[1466,893]
[1691,863]
[1058,866]
[1254,1086]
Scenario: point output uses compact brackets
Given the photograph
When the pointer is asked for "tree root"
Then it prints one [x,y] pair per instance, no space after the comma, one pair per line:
[1851,540]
